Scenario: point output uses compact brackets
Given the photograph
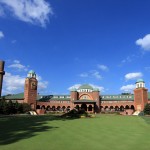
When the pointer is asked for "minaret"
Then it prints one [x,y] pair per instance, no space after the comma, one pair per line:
[140,95]
[2,72]
[30,89]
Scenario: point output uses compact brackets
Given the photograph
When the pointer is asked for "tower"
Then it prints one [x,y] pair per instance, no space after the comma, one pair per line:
[30,89]
[140,95]
[74,96]
[96,96]
[2,72]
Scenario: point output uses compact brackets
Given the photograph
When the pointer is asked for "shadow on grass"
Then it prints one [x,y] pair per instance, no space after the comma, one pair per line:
[146,119]
[13,129]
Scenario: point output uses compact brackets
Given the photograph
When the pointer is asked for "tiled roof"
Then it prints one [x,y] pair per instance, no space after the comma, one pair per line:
[18,96]
[118,97]
[53,97]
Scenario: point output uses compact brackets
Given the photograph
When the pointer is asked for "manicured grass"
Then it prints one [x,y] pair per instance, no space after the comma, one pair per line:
[105,132]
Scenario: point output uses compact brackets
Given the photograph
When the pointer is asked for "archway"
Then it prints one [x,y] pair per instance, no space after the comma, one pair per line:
[38,107]
[127,107]
[116,108]
[68,108]
[84,106]
[53,108]
[121,108]
[48,108]
[106,108]
[63,108]
[111,107]
[132,107]
[90,108]
[43,107]
[58,108]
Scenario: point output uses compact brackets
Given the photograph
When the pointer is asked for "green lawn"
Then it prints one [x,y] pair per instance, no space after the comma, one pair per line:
[105,132]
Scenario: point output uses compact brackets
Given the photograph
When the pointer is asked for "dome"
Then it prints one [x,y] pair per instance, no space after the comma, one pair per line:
[96,89]
[73,90]
[32,72]
[85,86]
[139,80]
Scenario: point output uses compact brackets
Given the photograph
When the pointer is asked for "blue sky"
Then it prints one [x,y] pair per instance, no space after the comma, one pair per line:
[105,43]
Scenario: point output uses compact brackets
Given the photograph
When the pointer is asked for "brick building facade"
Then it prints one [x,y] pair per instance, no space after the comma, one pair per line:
[85,97]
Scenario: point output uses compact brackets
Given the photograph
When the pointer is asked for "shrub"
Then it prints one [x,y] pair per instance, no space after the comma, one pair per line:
[147,109]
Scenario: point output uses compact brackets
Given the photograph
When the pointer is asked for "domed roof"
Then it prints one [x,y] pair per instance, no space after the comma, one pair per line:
[73,90]
[86,86]
[32,72]
[96,89]
[139,80]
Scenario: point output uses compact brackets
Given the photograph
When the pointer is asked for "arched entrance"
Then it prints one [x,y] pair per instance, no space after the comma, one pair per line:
[53,108]
[63,108]
[127,107]
[68,108]
[90,108]
[116,108]
[111,108]
[38,107]
[48,108]
[58,108]
[43,107]
[84,106]
[132,107]
[121,108]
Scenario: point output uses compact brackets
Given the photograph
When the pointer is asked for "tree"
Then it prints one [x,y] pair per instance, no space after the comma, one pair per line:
[11,107]
[147,109]
[26,107]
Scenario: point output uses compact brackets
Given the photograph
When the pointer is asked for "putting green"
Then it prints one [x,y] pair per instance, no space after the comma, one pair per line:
[103,132]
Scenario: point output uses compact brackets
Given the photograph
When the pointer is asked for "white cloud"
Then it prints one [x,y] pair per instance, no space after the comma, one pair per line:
[41,84]
[15,83]
[32,11]
[144,42]
[16,65]
[84,75]
[128,88]
[127,59]
[76,86]
[133,76]
[103,67]
[96,74]
[98,87]
[1,34]
[91,74]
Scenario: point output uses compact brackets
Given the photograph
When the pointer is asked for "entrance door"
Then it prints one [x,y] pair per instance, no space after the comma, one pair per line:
[84,106]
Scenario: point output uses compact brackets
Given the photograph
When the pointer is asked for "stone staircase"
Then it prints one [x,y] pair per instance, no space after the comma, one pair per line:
[136,113]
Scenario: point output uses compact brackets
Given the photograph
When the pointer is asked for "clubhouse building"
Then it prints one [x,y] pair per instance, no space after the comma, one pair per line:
[85,97]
